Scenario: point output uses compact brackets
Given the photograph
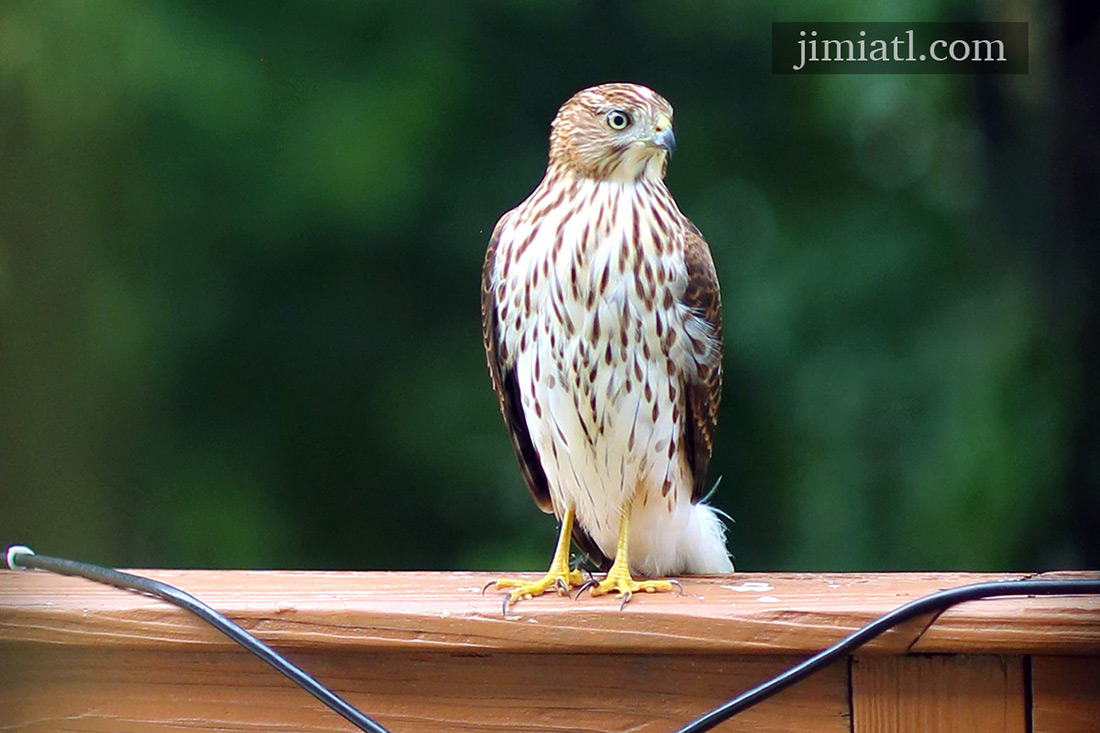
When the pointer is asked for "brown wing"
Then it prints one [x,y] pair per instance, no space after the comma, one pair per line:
[703,392]
[504,382]
[590,549]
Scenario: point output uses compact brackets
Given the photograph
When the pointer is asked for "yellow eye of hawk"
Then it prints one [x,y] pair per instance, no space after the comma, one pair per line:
[618,120]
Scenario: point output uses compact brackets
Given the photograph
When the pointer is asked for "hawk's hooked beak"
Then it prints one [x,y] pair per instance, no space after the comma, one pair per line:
[662,135]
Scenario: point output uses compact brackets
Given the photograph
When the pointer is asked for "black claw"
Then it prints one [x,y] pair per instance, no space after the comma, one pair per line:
[678,585]
[486,586]
[563,588]
[626,597]
[591,582]
[504,606]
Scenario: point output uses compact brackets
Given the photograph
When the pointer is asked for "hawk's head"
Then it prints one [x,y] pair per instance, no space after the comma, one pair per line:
[613,132]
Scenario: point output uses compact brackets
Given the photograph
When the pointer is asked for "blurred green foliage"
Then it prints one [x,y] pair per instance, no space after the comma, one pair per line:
[240,251]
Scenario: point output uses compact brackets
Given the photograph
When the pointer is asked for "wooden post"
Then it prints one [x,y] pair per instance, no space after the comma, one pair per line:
[428,652]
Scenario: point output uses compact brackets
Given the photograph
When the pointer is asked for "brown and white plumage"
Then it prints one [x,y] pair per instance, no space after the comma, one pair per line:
[602,326]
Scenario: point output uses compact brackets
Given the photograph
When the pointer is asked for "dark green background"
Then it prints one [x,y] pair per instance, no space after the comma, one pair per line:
[241,243]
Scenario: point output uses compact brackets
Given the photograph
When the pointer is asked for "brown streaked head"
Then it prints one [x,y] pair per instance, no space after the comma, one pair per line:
[613,131]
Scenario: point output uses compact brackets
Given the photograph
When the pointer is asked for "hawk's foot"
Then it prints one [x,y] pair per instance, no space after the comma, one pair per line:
[618,578]
[557,578]
[619,581]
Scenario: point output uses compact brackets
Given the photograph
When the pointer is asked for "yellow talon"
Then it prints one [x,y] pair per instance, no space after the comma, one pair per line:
[618,578]
[619,581]
[559,576]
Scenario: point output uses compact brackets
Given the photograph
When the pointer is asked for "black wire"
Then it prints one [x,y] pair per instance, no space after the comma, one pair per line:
[188,602]
[935,602]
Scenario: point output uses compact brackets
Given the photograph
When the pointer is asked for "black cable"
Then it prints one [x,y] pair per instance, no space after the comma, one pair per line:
[19,556]
[940,601]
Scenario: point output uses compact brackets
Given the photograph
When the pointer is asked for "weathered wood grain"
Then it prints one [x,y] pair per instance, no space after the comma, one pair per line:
[428,652]
[50,689]
[944,693]
[1065,694]
[742,613]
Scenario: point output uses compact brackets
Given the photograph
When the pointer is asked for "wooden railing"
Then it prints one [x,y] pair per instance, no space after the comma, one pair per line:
[429,652]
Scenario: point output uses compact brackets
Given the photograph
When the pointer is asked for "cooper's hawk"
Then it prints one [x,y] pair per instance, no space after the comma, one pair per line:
[603,332]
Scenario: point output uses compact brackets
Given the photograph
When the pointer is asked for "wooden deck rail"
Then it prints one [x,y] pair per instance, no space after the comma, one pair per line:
[428,652]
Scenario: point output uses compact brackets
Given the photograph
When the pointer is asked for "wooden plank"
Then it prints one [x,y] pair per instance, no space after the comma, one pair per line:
[1065,695]
[1043,625]
[956,693]
[744,613]
[73,689]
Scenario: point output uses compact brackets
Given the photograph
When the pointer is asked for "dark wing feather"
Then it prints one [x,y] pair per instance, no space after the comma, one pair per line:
[704,391]
[504,382]
[589,548]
